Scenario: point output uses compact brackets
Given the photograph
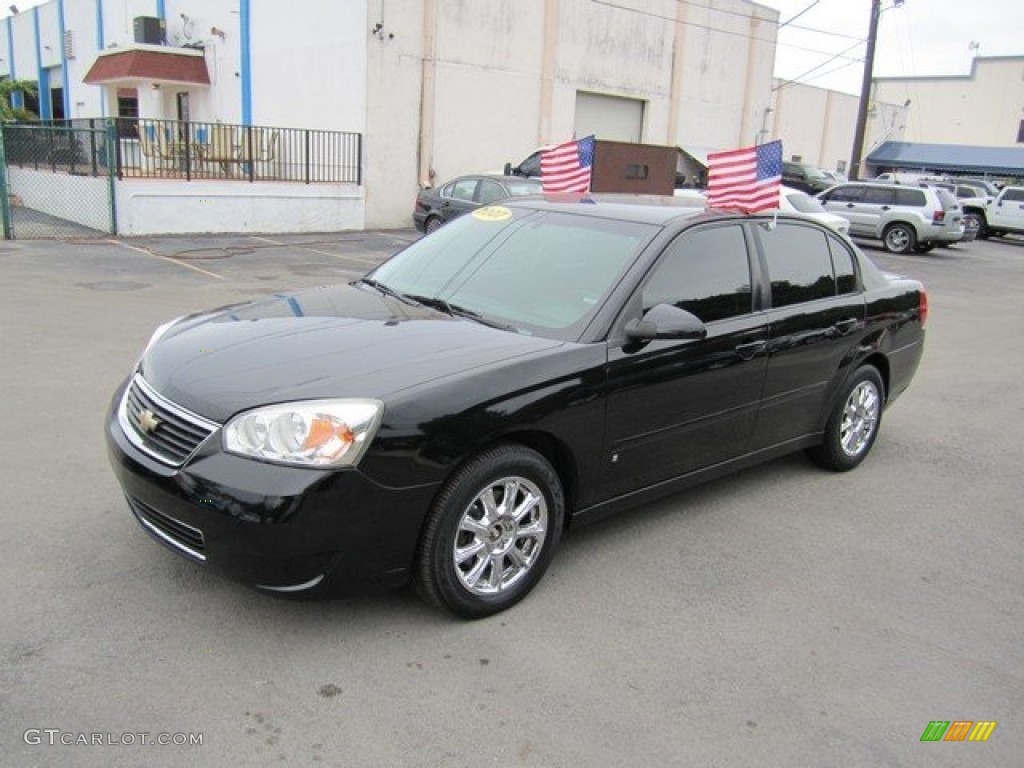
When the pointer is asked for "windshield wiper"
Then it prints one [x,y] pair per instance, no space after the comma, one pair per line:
[386,290]
[458,311]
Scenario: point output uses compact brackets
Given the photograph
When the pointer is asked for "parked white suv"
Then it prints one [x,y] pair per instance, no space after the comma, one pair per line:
[904,218]
[1005,214]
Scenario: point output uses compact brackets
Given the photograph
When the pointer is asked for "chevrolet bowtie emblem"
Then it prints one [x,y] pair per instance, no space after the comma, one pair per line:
[148,421]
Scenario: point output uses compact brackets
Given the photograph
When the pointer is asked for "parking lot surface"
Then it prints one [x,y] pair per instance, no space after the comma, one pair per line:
[784,616]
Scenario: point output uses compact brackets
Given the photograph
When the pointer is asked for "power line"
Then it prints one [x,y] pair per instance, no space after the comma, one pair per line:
[827,61]
[744,35]
[794,18]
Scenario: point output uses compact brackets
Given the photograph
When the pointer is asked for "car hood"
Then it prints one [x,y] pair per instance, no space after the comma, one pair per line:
[333,341]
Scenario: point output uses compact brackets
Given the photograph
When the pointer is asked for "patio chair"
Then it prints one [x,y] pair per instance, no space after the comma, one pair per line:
[222,147]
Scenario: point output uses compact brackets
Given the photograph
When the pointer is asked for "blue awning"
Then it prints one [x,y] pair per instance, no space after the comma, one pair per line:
[949,158]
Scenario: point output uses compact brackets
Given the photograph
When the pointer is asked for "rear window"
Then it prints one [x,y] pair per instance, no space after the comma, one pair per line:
[947,199]
[522,187]
[804,203]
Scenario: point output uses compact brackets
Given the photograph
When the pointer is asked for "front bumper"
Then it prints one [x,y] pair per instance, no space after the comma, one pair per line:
[279,528]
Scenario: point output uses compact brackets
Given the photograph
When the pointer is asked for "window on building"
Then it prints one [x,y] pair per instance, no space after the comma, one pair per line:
[1020,133]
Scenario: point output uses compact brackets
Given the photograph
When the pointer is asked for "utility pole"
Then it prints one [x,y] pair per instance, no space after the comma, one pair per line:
[865,92]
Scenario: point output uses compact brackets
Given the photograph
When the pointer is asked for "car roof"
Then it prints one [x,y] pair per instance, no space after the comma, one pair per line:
[642,209]
[492,176]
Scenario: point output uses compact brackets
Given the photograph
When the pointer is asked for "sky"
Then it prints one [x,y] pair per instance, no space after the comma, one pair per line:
[922,37]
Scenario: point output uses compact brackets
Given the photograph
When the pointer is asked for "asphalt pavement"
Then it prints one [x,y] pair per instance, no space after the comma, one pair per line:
[784,616]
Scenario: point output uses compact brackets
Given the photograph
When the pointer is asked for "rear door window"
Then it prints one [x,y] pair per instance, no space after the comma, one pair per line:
[912,197]
[878,196]
[488,192]
[464,189]
[799,264]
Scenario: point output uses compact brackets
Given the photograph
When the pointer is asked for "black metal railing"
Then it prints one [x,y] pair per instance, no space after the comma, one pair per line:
[173,149]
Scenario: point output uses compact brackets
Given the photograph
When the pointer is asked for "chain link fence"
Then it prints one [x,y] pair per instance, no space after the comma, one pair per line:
[59,182]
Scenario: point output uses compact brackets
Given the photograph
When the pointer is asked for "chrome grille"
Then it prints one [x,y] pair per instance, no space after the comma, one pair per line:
[174,432]
[181,537]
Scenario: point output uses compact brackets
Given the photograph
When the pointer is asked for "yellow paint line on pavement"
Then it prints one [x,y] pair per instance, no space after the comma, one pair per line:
[167,258]
[346,257]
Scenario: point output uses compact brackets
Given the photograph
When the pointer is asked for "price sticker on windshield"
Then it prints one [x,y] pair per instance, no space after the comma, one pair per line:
[492,213]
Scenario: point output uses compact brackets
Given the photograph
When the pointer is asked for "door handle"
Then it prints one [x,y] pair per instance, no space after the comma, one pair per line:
[843,327]
[749,350]
[849,205]
[885,207]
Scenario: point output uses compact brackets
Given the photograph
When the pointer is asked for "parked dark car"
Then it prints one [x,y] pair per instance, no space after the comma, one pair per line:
[528,368]
[807,178]
[438,205]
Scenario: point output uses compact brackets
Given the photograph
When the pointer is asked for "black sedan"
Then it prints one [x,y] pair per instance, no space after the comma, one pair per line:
[531,367]
[439,205]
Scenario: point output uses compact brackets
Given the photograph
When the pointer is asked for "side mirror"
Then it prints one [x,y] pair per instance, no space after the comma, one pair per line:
[508,169]
[665,321]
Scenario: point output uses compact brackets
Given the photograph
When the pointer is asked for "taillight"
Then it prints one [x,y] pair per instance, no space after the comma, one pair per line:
[938,217]
[923,307]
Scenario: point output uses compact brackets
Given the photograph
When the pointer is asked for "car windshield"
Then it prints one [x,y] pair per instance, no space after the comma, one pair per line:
[804,203]
[815,173]
[519,187]
[543,273]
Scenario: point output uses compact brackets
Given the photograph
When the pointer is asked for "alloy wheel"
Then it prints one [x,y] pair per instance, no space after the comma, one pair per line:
[500,536]
[860,418]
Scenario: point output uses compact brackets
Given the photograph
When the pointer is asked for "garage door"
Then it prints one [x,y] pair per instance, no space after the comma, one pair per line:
[612,118]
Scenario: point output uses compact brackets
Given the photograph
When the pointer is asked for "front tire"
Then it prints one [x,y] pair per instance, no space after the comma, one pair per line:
[976,222]
[491,534]
[853,425]
[899,238]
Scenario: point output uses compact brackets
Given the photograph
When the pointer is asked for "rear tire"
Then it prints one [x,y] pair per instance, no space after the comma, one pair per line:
[853,425]
[432,224]
[899,238]
[491,534]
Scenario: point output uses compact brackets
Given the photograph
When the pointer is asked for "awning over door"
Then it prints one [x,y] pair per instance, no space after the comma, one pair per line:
[153,64]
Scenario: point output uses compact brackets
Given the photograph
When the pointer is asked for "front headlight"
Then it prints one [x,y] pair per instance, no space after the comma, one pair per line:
[314,433]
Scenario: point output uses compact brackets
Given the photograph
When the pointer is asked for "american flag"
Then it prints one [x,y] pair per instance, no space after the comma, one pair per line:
[566,168]
[746,179]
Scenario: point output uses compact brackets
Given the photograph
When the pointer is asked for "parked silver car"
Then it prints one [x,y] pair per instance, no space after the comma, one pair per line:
[904,218]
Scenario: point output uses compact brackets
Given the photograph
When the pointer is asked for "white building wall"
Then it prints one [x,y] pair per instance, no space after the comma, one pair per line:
[818,125]
[309,64]
[157,206]
[24,54]
[466,85]
[83,100]
[445,87]
[982,108]
[725,76]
